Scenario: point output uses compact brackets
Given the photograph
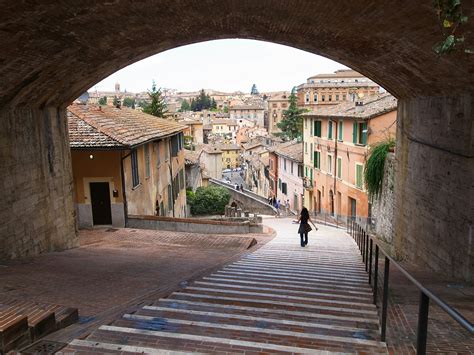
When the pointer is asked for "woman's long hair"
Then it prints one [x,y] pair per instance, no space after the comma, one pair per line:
[305,213]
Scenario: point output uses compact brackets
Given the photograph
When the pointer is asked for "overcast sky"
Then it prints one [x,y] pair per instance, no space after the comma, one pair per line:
[225,65]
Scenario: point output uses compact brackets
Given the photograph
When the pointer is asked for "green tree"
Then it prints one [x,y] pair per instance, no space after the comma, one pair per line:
[201,102]
[291,125]
[213,104]
[129,102]
[254,90]
[157,106]
[103,101]
[208,200]
[116,101]
[226,109]
[185,106]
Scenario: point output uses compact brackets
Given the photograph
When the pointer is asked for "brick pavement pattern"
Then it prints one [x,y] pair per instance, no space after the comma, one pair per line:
[281,298]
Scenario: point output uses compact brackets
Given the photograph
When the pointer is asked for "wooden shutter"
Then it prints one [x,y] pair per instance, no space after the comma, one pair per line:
[340,132]
[330,129]
[339,168]
[364,133]
[354,133]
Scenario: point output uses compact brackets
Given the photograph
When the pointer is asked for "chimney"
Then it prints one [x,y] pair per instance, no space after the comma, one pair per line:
[359,106]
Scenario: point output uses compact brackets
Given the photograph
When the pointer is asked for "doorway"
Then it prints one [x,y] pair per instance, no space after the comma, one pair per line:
[100,201]
[353,205]
[318,204]
[331,202]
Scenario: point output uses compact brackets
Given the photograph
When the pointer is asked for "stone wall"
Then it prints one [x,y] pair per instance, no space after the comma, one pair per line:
[190,225]
[383,205]
[36,207]
[434,190]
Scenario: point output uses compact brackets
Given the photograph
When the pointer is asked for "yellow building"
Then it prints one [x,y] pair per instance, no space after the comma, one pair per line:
[125,162]
[230,156]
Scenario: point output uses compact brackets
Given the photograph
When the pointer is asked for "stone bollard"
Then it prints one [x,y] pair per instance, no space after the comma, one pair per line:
[232,211]
[239,212]
[227,211]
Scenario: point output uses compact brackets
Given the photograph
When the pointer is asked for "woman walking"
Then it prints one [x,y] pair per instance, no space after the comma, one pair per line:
[304,228]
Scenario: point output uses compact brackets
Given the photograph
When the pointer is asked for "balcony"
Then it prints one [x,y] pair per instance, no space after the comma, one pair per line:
[307,183]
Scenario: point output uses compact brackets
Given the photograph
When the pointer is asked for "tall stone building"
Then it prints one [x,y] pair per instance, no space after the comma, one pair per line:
[277,104]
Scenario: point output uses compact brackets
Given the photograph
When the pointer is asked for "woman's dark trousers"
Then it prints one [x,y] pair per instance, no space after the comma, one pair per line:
[304,239]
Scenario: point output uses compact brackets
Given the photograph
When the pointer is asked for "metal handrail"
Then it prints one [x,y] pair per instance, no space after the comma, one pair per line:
[366,244]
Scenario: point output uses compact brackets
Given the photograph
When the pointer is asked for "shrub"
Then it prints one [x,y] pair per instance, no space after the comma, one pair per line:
[208,200]
[374,169]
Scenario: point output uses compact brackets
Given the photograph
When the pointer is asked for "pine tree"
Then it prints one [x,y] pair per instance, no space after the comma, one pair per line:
[157,106]
[103,101]
[213,104]
[254,90]
[185,106]
[291,125]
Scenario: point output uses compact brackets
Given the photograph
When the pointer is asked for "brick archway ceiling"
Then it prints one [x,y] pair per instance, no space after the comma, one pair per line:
[50,52]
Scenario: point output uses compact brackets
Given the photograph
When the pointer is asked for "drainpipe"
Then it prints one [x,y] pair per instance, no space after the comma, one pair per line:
[171,174]
[335,168]
[125,205]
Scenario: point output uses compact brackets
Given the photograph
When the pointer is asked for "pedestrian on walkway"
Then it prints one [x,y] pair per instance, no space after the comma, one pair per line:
[305,228]
[287,207]
[241,187]
[277,206]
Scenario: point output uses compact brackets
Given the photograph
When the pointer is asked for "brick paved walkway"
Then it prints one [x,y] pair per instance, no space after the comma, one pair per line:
[280,299]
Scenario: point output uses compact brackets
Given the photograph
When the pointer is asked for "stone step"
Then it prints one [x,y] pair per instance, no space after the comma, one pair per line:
[14,330]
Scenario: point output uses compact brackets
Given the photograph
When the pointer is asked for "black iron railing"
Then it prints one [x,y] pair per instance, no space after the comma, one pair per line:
[366,244]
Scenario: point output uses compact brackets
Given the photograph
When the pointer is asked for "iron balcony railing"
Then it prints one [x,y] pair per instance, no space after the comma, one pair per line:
[370,256]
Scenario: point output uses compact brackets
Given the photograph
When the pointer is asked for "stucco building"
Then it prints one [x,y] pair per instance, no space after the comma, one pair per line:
[277,104]
[331,89]
[289,186]
[211,158]
[125,162]
[337,140]
[251,113]
[231,155]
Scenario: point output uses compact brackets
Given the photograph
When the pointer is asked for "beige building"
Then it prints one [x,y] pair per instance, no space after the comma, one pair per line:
[251,113]
[277,104]
[211,158]
[331,89]
[337,141]
[231,157]
[224,128]
[125,163]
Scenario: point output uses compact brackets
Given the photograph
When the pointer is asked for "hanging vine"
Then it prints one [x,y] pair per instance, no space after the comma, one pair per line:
[451,19]
[375,167]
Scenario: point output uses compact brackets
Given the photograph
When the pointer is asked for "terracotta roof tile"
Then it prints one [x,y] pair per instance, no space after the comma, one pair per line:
[292,150]
[125,126]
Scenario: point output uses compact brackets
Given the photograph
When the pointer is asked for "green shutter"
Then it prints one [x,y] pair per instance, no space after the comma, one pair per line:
[306,171]
[359,176]
[311,174]
[318,128]
[330,129]
[364,133]
[354,133]
[339,168]
[341,126]
[315,160]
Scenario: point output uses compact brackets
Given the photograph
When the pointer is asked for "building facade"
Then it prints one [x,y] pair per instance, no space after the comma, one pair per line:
[336,142]
[290,175]
[251,113]
[125,163]
[277,104]
[331,89]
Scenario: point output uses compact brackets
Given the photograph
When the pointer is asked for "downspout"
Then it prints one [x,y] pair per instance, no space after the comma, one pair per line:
[125,205]
[171,174]
[335,166]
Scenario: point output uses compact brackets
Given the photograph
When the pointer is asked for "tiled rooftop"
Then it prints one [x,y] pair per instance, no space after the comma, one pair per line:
[95,127]
[292,150]
[373,106]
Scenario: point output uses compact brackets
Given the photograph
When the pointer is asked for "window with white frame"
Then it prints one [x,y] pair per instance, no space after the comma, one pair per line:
[359,177]
[339,167]
[329,165]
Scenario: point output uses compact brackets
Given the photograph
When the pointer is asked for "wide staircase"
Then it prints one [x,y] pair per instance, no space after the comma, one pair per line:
[280,299]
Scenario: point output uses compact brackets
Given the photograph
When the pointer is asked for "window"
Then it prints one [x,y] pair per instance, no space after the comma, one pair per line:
[181,179]
[339,167]
[274,105]
[317,160]
[300,170]
[329,129]
[283,105]
[340,132]
[337,97]
[344,97]
[311,174]
[134,161]
[330,164]
[279,184]
[359,176]
[330,98]
[359,133]
[317,128]
[311,151]
[284,164]
[284,188]
[306,98]
[315,97]
[323,97]
[158,158]
[170,198]
[146,151]
[306,147]
[291,167]
[306,171]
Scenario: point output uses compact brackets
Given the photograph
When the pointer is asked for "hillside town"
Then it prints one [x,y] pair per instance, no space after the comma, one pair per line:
[235,138]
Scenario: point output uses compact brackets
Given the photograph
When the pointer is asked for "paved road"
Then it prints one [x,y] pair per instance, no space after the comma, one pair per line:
[281,298]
